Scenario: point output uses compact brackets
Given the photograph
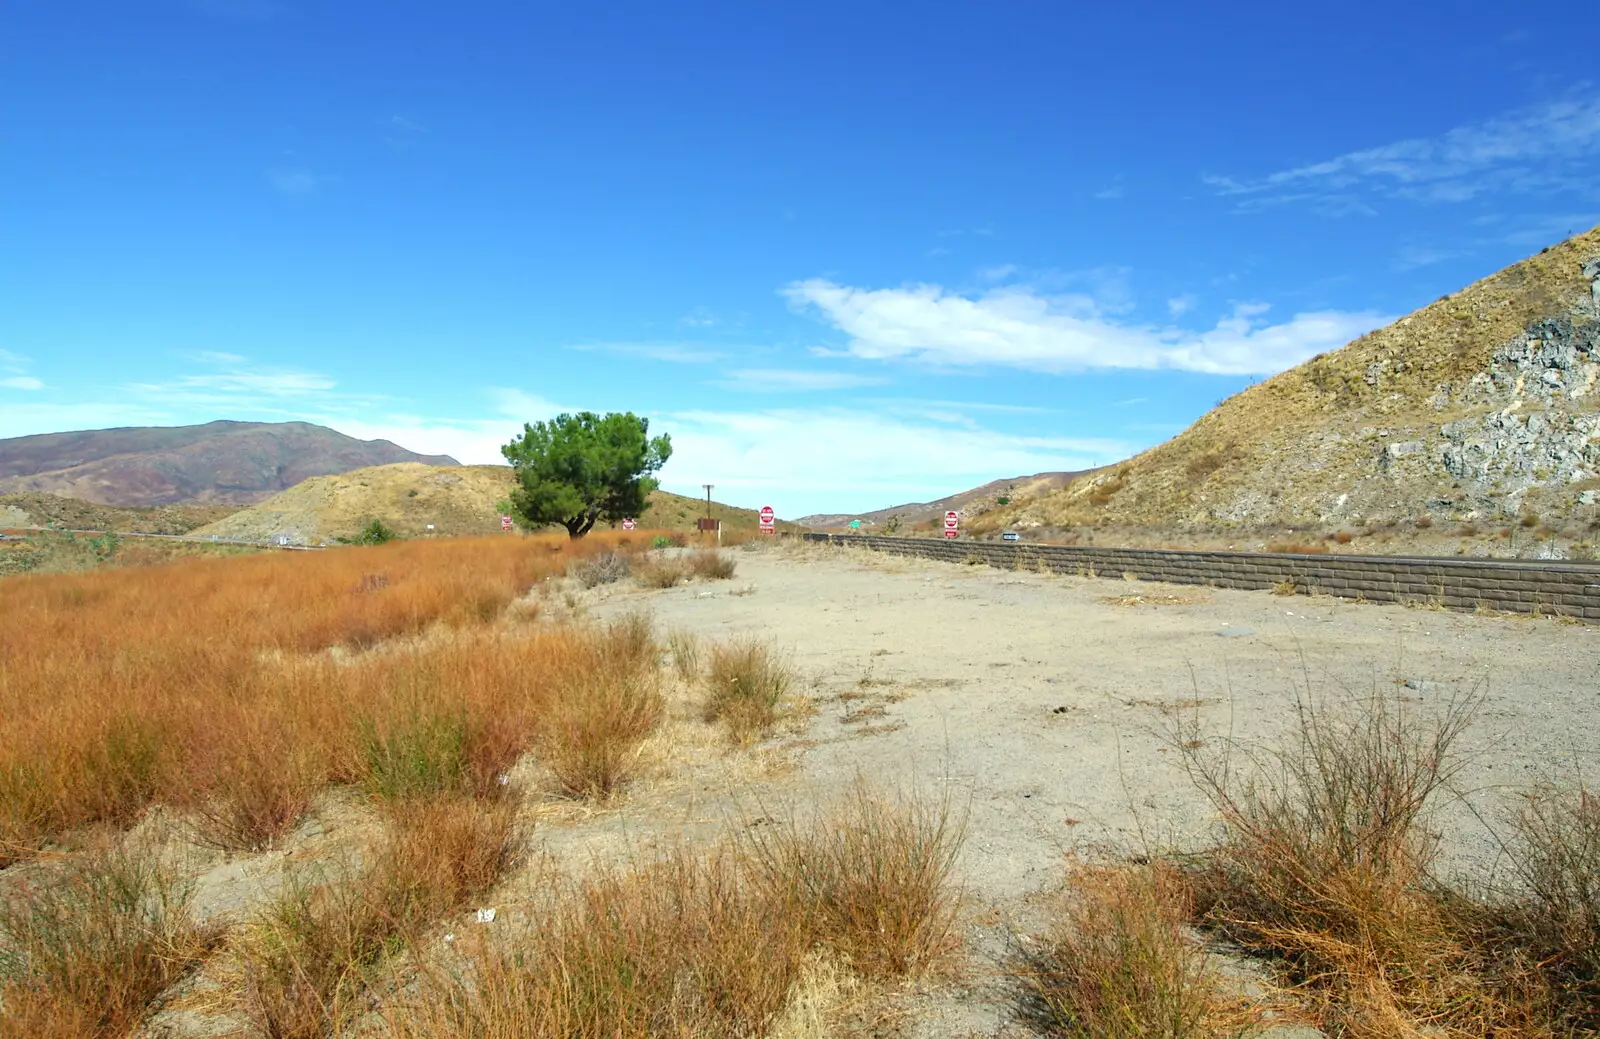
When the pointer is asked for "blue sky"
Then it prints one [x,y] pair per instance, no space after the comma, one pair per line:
[846,254]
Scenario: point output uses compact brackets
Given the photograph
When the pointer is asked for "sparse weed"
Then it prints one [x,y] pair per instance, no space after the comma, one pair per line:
[746,683]
[872,873]
[661,572]
[604,568]
[95,942]
[1118,962]
[1325,865]
[685,650]
[712,565]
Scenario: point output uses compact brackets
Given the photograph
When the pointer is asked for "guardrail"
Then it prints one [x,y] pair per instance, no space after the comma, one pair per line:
[7,535]
[1516,586]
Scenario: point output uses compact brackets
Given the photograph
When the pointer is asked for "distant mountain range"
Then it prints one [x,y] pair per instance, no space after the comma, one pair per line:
[922,513]
[230,463]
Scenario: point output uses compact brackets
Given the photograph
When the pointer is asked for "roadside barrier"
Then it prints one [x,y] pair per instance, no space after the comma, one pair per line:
[1511,585]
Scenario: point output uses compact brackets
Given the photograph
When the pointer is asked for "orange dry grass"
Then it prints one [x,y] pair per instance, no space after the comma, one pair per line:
[192,681]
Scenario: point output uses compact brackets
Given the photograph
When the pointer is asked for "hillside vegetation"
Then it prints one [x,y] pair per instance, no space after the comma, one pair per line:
[1480,406]
[54,510]
[461,499]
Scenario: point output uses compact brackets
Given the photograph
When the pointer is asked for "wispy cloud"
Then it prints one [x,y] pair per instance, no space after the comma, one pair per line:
[1543,149]
[673,353]
[1410,257]
[235,384]
[14,373]
[1021,327]
[794,380]
[1106,194]
[296,183]
[1178,306]
[700,317]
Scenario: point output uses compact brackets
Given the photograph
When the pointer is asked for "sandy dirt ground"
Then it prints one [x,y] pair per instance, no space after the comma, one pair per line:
[1043,706]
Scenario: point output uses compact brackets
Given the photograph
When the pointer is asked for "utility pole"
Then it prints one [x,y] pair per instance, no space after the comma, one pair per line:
[708,487]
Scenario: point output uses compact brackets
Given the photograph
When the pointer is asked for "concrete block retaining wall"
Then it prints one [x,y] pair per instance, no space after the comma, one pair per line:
[1518,586]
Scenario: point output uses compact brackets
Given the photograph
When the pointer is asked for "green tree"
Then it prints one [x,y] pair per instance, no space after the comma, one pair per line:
[576,470]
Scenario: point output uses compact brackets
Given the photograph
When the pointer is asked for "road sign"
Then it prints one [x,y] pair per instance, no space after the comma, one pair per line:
[769,519]
[1010,535]
[855,524]
[505,522]
[708,524]
[951,518]
[627,524]
[951,532]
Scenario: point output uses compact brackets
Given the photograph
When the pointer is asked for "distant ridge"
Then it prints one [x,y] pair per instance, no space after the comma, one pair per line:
[969,502]
[234,463]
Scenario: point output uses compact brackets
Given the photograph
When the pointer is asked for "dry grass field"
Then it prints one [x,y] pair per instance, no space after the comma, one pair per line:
[528,787]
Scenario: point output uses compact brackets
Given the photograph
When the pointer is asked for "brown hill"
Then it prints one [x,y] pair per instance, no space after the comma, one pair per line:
[1482,405]
[409,496]
[223,462]
[969,503]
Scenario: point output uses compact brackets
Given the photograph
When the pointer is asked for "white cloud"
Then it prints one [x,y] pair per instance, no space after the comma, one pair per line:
[1537,150]
[21,382]
[1106,194]
[802,461]
[1177,306]
[790,380]
[1018,327]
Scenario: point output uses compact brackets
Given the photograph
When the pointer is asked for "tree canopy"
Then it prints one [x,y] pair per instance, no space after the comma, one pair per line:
[577,470]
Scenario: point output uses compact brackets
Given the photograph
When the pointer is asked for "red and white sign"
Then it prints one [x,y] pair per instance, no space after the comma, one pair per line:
[627,524]
[769,520]
[951,518]
[505,522]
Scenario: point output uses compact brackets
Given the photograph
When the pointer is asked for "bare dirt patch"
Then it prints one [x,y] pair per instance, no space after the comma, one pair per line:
[1047,705]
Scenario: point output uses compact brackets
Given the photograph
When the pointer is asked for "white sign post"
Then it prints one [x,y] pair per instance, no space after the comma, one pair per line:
[505,523]
[627,524]
[951,518]
[769,520]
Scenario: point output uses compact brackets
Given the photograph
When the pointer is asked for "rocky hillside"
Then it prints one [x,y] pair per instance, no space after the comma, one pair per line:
[1481,406]
[219,462]
[925,513]
[408,496]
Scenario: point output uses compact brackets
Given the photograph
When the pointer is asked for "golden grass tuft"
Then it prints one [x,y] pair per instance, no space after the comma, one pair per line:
[312,956]
[715,946]
[872,874]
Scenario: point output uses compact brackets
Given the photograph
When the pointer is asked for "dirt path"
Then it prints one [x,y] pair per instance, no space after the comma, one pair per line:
[1039,702]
